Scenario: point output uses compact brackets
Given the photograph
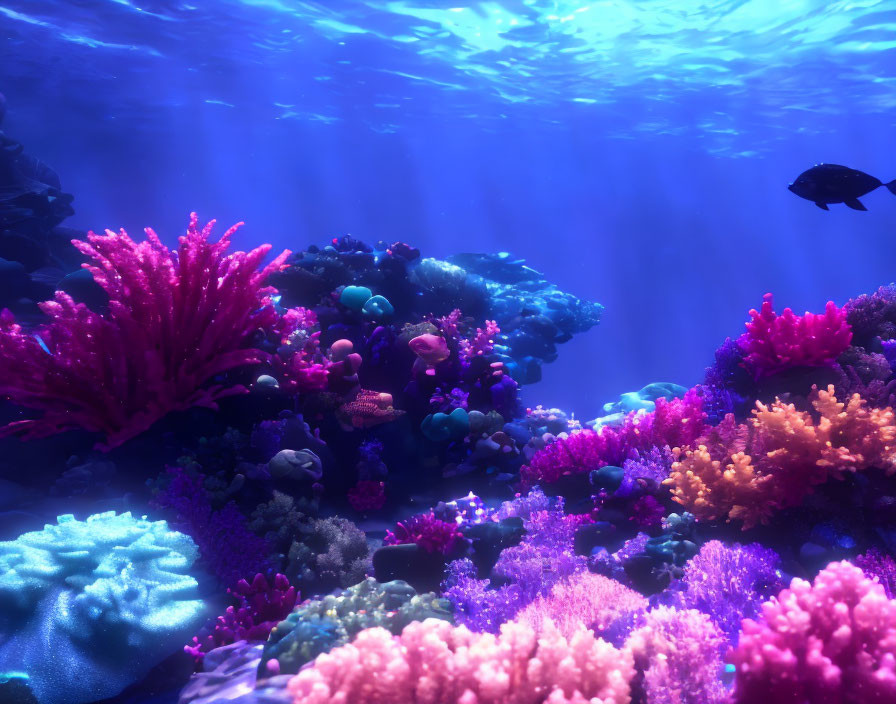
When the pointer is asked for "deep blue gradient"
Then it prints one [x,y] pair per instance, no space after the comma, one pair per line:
[636,152]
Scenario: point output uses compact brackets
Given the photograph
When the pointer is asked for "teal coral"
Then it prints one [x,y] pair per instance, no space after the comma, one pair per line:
[109,596]
[316,627]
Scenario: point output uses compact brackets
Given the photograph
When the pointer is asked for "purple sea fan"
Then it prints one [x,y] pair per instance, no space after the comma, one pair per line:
[729,583]
[175,321]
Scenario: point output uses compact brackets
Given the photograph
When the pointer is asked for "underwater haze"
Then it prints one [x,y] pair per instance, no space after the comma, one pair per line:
[636,152]
[551,358]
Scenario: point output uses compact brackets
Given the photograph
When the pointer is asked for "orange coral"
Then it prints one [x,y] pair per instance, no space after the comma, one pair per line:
[746,472]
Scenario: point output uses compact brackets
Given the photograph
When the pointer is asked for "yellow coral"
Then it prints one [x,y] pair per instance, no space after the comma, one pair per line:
[791,453]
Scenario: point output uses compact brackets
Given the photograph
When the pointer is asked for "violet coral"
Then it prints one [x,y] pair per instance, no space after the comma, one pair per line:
[675,422]
[433,662]
[747,472]
[830,641]
[175,321]
[773,343]
[678,654]
[258,607]
[430,533]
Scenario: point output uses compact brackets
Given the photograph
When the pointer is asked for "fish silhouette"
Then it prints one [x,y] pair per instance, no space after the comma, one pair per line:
[831,183]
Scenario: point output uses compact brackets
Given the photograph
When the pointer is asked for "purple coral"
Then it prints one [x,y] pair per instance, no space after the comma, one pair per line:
[728,583]
[257,608]
[227,546]
[175,321]
[677,657]
[880,566]
[675,423]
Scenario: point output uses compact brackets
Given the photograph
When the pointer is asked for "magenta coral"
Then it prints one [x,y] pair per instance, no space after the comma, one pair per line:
[174,322]
[258,607]
[674,423]
[821,643]
[482,343]
[773,343]
[433,662]
[367,495]
[430,533]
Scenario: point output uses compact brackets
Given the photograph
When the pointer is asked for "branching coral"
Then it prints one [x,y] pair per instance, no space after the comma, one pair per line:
[729,582]
[257,608]
[678,654]
[746,472]
[830,641]
[773,343]
[175,321]
[434,662]
[430,533]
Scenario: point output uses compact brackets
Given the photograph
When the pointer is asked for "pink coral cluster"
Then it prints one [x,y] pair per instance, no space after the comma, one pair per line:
[480,344]
[833,641]
[674,423]
[259,607]
[773,343]
[174,322]
[433,662]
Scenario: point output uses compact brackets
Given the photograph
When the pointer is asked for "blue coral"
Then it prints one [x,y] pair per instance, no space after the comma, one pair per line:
[87,607]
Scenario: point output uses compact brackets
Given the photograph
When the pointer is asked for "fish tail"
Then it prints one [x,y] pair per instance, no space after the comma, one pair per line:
[891,186]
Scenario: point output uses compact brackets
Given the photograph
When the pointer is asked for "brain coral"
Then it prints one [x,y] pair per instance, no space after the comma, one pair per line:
[94,604]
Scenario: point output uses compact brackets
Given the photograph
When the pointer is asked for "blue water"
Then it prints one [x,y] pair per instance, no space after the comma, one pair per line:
[636,152]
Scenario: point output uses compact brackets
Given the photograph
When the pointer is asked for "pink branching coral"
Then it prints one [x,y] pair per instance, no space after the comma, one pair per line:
[746,472]
[433,662]
[430,533]
[482,342]
[258,607]
[678,653]
[584,599]
[674,423]
[833,641]
[773,343]
[174,322]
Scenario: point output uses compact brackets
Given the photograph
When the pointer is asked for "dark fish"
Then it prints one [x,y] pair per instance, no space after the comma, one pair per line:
[831,183]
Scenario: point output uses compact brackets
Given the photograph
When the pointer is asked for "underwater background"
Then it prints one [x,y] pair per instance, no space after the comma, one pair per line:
[638,153]
[498,394]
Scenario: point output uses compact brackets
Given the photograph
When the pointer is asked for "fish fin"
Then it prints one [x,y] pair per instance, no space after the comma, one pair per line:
[823,206]
[855,204]
[891,186]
